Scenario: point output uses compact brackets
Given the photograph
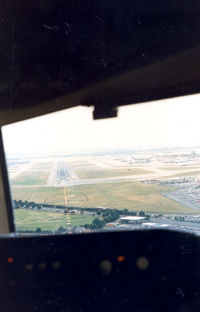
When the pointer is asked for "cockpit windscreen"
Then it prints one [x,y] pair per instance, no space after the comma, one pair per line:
[71,174]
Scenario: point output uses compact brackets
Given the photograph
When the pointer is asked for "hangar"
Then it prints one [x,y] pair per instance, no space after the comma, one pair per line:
[132,220]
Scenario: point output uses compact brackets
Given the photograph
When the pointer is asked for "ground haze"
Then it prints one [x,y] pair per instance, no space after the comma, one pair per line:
[157,182]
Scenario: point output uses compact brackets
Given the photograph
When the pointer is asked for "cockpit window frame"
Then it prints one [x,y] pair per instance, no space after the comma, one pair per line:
[7,224]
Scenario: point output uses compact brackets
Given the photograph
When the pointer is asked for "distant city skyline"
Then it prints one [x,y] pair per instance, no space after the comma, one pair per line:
[160,124]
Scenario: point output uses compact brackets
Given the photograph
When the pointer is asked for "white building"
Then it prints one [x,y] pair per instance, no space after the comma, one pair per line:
[132,220]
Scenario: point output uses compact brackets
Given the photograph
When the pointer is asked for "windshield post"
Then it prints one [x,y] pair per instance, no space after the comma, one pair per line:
[6,211]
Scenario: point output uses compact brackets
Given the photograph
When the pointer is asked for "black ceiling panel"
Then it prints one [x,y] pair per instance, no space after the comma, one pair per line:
[51,49]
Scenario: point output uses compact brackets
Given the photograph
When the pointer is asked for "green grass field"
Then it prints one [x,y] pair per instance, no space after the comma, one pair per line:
[31,178]
[109,173]
[30,220]
[49,195]
[134,196]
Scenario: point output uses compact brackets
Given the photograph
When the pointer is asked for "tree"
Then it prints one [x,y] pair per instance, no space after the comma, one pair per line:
[141,213]
[96,221]
[16,204]
[106,213]
[20,203]
[96,224]
[38,230]
[61,229]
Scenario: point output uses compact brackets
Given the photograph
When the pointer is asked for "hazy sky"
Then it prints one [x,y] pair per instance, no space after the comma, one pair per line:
[166,123]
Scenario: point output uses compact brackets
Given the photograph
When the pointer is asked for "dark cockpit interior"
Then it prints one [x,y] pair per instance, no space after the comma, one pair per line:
[56,55]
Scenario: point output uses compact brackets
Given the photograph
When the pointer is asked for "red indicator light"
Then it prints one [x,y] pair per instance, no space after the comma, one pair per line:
[120,258]
[10,260]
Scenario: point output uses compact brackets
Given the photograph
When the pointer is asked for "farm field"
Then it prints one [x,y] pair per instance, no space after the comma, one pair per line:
[30,220]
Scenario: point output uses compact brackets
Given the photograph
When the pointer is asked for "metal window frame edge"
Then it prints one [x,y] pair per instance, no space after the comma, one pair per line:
[6,210]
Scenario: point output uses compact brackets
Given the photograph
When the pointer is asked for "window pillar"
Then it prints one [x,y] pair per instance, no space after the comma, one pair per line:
[6,210]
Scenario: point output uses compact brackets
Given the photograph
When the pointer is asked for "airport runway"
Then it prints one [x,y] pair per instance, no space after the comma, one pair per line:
[62,175]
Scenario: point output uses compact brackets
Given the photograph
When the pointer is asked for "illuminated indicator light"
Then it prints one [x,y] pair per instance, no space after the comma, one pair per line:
[42,266]
[106,267]
[29,267]
[142,263]
[56,265]
[10,260]
[120,258]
